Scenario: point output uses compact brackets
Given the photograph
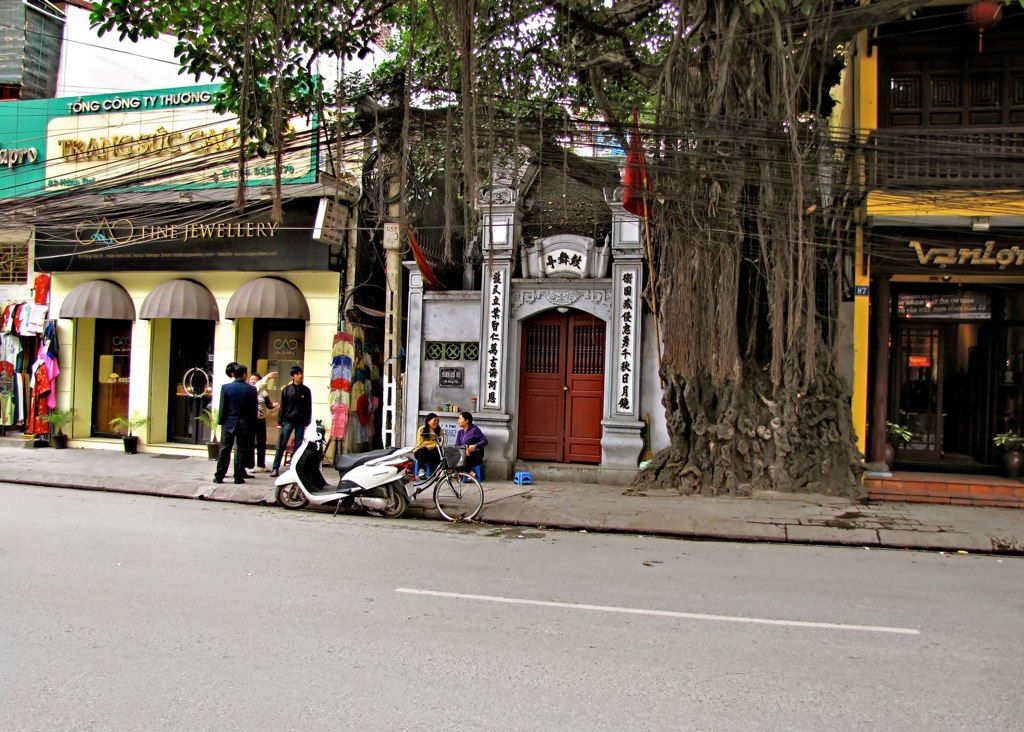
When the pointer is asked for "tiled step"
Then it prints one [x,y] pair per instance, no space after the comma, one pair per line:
[962,490]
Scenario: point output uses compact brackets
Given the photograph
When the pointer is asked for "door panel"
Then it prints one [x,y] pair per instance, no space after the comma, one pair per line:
[561,400]
[541,390]
[585,397]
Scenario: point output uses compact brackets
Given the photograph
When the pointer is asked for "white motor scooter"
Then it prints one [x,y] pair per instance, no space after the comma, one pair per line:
[374,480]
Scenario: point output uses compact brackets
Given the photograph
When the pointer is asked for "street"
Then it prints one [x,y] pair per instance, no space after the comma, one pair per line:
[133,612]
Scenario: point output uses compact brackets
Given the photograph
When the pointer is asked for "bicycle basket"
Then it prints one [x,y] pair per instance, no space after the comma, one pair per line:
[453,457]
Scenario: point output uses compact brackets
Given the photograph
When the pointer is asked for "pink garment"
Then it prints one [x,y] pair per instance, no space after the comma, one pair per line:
[52,371]
[339,421]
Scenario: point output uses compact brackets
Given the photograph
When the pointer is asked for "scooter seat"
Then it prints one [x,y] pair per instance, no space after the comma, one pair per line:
[347,462]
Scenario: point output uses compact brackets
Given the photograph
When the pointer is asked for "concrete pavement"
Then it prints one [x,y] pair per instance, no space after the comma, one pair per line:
[765,517]
[129,613]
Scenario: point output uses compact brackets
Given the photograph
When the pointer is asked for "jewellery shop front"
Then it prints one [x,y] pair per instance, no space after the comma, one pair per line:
[947,344]
[150,316]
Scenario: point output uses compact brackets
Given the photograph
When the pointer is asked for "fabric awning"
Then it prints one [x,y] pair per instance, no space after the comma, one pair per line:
[268,297]
[98,299]
[181,299]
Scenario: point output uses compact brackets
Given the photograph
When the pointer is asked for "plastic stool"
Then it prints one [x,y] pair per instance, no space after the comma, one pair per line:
[416,469]
[478,472]
[523,477]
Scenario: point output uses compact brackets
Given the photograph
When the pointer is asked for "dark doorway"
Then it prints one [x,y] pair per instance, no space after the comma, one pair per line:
[942,386]
[191,380]
[561,388]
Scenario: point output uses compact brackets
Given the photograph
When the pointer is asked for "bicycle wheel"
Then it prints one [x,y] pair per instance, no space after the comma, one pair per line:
[459,497]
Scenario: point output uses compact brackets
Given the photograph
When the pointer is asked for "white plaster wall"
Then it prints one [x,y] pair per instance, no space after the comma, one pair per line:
[650,390]
[451,316]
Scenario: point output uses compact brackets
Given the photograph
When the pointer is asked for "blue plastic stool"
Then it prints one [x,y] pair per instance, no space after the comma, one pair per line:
[478,472]
[523,477]
[416,469]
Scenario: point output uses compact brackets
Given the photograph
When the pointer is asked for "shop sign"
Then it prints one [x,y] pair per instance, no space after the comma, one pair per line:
[451,376]
[919,362]
[191,242]
[938,252]
[965,305]
[979,256]
[10,157]
[331,218]
[169,139]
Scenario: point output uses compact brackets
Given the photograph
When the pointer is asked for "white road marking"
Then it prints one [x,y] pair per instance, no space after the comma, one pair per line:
[662,613]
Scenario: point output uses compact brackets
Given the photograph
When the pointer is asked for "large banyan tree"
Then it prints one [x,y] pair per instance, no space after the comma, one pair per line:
[754,194]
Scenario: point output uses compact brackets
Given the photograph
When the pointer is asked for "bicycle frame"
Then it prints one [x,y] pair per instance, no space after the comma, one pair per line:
[444,472]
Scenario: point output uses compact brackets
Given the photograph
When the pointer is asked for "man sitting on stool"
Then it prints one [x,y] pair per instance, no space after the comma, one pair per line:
[237,419]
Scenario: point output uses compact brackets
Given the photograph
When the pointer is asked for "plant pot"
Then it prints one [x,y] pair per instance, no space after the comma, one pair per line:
[1013,461]
[213,450]
[131,444]
[890,455]
[60,441]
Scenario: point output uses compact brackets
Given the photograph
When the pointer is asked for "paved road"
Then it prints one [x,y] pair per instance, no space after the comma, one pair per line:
[131,612]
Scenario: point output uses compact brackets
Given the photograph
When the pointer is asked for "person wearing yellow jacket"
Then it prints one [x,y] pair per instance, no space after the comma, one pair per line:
[426,445]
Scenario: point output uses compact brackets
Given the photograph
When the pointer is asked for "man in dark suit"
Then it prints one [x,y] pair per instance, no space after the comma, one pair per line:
[237,419]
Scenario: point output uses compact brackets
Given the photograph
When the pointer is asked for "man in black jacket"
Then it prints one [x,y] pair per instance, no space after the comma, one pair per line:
[295,415]
[237,418]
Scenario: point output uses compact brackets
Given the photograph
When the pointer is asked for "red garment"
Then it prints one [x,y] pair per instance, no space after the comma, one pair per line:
[37,424]
[42,288]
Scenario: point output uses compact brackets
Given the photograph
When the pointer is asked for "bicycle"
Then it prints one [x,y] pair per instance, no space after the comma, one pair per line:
[458,496]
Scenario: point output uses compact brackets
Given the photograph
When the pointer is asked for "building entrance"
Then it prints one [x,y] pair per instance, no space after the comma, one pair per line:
[191,380]
[561,388]
[111,374]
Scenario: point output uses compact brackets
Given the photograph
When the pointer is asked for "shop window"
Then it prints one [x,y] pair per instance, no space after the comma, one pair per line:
[111,374]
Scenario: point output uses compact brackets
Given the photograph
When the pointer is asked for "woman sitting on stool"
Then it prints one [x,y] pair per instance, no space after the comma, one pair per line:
[426,445]
[472,438]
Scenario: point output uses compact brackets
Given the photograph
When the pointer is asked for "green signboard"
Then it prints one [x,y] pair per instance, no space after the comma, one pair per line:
[163,139]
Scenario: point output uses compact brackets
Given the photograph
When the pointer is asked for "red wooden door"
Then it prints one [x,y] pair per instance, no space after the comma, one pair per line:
[542,388]
[561,392]
[584,378]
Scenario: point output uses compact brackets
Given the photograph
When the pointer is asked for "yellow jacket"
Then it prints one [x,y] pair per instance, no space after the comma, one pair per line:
[427,439]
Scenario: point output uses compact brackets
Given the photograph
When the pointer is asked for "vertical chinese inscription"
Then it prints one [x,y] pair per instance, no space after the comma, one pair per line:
[495,328]
[627,285]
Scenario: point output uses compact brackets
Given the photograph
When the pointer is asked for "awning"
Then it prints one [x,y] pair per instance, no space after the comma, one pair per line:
[268,297]
[98,299]
[181,299]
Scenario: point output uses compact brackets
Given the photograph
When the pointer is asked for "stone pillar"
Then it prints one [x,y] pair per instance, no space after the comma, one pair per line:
[498,232]
[622,442]
[414,355]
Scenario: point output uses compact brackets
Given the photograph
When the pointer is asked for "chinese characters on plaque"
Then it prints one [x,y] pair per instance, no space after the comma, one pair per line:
[495,326]
[625,379]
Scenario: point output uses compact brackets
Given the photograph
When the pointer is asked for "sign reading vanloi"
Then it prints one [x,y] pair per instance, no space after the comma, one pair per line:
[167,139]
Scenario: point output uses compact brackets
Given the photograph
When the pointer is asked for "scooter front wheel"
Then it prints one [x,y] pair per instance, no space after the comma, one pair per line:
[291,496]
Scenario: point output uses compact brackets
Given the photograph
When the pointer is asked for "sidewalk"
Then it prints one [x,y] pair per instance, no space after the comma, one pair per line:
[767,517]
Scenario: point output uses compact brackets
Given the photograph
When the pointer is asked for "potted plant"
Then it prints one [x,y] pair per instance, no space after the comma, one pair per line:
[898,436]
[210,418]
[1013,457]
[130,424]
[59,419]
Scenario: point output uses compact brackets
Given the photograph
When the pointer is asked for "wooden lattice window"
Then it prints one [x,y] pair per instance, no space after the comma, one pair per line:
[13,262]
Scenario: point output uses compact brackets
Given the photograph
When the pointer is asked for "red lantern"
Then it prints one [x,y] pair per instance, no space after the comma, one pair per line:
[982,16]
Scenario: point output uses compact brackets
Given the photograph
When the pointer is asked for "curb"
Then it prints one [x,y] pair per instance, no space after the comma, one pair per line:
[1002,549]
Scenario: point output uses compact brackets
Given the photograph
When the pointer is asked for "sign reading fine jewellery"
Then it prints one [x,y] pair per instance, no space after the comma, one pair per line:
[495,326]
[627,343]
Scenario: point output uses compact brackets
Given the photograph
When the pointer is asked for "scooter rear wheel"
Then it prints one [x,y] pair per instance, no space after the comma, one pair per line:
[291,496]
[396,506]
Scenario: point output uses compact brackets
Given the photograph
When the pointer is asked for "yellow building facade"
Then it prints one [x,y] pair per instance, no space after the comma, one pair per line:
[938,328]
